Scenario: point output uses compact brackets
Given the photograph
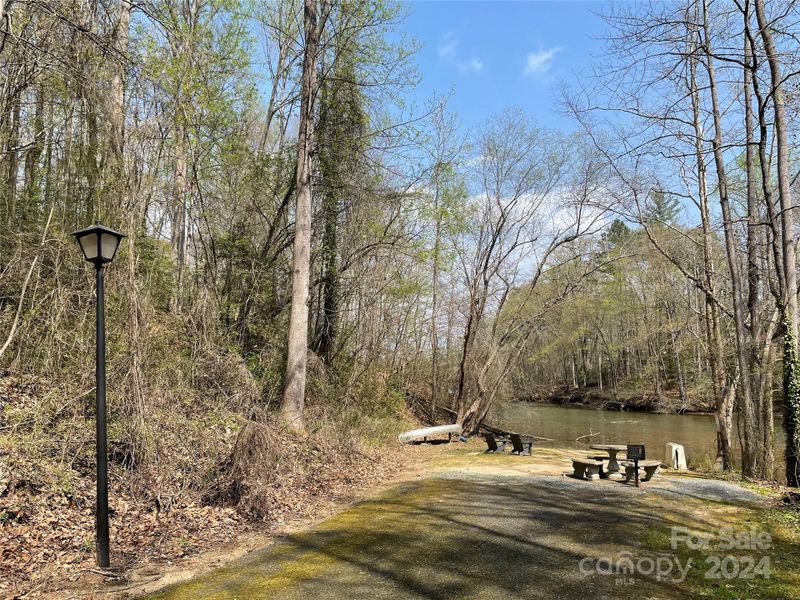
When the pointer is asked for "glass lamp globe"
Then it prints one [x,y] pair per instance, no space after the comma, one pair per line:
[98,243]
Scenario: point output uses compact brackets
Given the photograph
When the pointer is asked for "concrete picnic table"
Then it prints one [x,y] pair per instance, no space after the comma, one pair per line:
[612,449]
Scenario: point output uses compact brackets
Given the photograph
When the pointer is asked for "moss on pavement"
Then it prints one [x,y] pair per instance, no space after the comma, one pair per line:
[479,526]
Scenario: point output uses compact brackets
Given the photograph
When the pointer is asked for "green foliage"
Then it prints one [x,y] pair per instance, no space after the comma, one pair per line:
[201,64]
[791,403]
[155,268]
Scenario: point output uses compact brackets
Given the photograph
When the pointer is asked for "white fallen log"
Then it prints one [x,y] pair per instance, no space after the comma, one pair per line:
[426,432]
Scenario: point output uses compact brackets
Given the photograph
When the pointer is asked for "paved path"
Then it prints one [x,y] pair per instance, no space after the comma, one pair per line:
[478,536]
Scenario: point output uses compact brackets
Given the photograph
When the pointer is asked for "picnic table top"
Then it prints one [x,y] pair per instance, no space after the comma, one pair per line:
[616,447]
[643,463]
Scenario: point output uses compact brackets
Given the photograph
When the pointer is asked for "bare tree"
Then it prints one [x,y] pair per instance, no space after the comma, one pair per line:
[446,146]
[524,212]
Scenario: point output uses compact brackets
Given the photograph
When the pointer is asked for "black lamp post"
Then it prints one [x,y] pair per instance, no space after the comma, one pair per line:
[99,245]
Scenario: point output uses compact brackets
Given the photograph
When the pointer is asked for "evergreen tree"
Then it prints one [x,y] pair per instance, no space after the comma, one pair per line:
[662,208]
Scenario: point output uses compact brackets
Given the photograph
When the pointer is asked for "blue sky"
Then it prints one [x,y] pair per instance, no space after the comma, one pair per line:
[494,54]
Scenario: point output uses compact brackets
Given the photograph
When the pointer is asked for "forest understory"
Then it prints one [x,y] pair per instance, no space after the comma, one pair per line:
[202,492]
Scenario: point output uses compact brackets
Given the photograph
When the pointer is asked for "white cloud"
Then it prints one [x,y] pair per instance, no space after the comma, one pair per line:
[539,62]
[449,52]
[449,46]
[473,64]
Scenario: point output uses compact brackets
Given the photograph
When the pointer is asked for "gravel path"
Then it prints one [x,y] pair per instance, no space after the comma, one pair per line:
[461,534]
[691,487]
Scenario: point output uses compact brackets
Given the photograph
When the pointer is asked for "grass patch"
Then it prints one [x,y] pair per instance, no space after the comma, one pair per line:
[765,570]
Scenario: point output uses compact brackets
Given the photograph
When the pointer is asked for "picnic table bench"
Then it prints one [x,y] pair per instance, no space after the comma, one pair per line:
[586,468]
[521,444]
[494,444]
[650,469]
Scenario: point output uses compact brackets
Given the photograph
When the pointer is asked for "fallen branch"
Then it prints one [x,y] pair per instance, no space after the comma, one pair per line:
[587,436]
[367,456]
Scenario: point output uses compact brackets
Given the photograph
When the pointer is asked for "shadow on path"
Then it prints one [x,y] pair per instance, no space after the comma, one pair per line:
[486,537]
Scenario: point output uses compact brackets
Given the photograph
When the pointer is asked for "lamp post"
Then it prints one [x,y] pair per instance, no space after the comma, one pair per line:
[99,245]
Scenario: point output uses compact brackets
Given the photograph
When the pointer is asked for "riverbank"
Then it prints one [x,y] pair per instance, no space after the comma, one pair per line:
[576,426]
[471,525]
[622,400]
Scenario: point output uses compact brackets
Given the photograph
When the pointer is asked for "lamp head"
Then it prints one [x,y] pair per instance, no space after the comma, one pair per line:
[98,243]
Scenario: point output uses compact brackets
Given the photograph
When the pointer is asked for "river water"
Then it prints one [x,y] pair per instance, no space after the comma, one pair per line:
[566,423]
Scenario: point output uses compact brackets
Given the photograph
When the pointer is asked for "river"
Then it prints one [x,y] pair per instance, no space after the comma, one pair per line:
[566,423]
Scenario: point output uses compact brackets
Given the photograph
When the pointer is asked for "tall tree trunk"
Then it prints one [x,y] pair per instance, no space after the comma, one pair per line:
[600,368]
[767,422]
[791,376]
[742,350]
[466,351]
[574,374]
[773,240]
[295,386]
[762,455]
[48,172]
[90,151]
[13,158]
[711,312]
[435,298]
[180,193]
[183,48]
[117,98]
[32,157]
